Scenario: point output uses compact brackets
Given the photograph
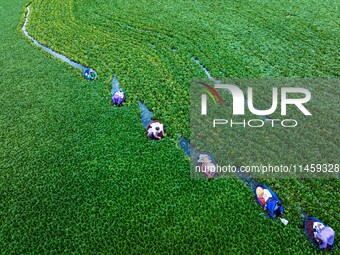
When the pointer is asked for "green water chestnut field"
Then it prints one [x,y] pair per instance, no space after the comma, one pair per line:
[79,176]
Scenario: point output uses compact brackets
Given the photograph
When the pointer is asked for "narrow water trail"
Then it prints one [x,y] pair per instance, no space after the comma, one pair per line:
[245,177]
[50,51]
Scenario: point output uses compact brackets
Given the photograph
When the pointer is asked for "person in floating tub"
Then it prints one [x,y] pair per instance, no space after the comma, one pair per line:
[90,74]
[207,164]
[323,235]
[118,98]
[268,201]
[155,130]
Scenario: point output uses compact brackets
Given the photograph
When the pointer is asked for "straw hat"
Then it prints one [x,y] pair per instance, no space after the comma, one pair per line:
[259,192]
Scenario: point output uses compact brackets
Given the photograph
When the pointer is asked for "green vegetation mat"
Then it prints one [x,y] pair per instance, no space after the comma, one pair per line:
[79,176]
[150,44]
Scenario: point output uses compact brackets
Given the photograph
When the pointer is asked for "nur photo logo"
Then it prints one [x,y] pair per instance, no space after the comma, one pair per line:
[285,98]
[265,121]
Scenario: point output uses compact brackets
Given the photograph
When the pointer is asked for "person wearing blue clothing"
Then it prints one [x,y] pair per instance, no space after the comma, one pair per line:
[269,202]
[273,207]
